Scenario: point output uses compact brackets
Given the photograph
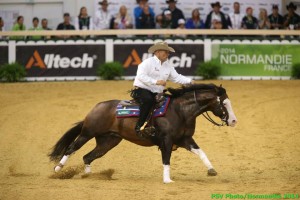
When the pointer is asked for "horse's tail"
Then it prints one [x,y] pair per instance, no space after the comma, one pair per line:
[64,142]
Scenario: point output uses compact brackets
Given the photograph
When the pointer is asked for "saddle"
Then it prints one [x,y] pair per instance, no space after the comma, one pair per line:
[130,108]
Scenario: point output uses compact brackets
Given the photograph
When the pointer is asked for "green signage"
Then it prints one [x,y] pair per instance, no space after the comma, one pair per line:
[255,59]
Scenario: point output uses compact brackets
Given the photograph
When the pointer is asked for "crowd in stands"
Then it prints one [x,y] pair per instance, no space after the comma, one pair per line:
[170,18]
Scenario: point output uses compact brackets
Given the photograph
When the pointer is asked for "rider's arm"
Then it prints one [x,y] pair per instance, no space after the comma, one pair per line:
[178,78]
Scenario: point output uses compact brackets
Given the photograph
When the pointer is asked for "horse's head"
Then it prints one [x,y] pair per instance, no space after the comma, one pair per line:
[209,97]
[221,107]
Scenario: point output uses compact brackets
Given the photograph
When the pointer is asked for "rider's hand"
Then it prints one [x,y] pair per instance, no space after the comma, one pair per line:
[161,82]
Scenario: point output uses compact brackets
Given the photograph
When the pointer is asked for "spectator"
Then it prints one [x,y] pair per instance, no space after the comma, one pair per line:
[44,24]
[103,16]
[216,19]
[123,20]
[1,24]
[35,27]
[249,21]
[176,13]
[181,26]
[167,22]
[65,25]
[19,26]
[139,10]
[291,20]
[158,21]
[1,27]
[275,18]
[146,20]
[83,21]
[195,22]
[167,19]
[263,22]
[236,17]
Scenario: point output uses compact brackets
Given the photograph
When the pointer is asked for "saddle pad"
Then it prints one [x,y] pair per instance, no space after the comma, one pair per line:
[134,111]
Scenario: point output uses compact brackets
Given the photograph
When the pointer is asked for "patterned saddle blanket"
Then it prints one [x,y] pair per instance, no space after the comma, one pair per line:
[127,109]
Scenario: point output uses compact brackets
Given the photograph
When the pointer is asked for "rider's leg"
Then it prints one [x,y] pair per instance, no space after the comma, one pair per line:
[147,101]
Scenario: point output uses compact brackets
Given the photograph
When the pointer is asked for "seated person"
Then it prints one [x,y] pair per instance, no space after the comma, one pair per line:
[249,21]
[195,22]
[65,25]
[275,18]
[35,27]
[146,19]
[139,10]
[19,26]
[123,19]
[291,20]
[181,26]
[83,21]
[264,22]
[216,19]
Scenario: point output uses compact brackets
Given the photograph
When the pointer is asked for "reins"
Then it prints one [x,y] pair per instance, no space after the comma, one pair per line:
[207,116]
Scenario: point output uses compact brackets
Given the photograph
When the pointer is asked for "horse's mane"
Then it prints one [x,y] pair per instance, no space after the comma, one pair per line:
[176,92]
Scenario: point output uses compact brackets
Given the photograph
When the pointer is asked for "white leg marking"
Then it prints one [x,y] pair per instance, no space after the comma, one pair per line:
[203,157]
[166,175]
[64,159]
[87,169]
[62,162]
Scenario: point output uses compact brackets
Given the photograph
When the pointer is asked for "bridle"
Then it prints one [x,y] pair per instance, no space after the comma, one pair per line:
[207,116]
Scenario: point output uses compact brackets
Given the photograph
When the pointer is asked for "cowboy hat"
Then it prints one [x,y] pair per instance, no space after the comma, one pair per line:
[169,1]
[103,2]
[160,46]
[291,5]
[216,4]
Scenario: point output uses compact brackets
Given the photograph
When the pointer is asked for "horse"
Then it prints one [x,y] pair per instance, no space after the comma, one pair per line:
[173,130]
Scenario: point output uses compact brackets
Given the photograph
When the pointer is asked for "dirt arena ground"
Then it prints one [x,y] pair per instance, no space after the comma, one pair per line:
[259,156]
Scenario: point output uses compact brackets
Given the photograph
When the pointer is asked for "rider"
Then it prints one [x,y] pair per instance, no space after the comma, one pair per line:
[151,78]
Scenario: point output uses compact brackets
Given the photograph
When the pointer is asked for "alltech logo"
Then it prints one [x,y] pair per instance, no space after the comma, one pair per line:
[56,61]
[182,61]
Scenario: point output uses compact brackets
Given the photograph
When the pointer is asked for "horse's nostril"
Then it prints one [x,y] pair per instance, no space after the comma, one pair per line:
[233,121]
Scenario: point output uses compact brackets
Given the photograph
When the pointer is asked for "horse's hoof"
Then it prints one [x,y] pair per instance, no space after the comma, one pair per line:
[57,168]
[212,172]
[168,181]
[87,169]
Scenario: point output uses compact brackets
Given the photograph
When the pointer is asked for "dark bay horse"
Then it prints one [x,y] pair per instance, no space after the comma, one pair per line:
[175,129]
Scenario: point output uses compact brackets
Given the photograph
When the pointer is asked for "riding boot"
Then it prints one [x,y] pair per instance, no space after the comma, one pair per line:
[138,131]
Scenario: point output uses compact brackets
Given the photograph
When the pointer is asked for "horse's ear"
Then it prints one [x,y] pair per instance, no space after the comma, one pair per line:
[220,85]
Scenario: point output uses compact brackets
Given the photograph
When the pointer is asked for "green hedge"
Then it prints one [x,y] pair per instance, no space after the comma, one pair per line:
[13,72]
[208,70]
[296,71]
[110,70]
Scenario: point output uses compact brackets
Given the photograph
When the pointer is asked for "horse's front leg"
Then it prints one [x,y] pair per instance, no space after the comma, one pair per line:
[191,145]
[166,151]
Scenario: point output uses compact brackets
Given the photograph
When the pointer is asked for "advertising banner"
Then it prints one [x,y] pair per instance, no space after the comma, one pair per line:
[3,55]
[185,59]
[61,60]
[255,59]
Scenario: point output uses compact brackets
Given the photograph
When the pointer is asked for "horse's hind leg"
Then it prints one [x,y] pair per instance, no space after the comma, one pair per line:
[83,138]
[104,144]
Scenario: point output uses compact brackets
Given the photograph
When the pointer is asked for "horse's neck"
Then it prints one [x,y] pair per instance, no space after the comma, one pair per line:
[190,106]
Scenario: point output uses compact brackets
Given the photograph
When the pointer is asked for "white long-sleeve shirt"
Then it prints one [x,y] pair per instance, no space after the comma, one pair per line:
[102,19]
[151,70]
[236,20]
